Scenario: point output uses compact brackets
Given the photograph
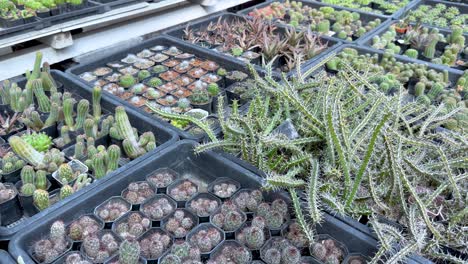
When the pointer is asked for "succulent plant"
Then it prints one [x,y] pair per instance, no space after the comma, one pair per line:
[229,217]
[161,178]
[231,253]
[83,227]
[327,250]
[248,200]
[224,189]
[154,244]
[132,225]
[184,253]
[179,224]
[99,247]
[158,207]
[74,258]
[112,209]
[206,237]
[183,191]
[127,81]
[11,163]
[253,235]
[138,192]
[203,206]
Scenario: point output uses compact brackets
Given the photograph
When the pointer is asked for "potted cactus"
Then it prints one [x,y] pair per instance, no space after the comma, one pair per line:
[201,99]
[9,204]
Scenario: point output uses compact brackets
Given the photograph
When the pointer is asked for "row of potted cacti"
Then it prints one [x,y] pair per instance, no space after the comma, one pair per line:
[442,15]
[168,219]
[55,146]
[326,20]
[17,12]
[372,6]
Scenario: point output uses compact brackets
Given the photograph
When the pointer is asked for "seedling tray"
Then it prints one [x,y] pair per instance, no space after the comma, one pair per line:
[164,138]
[368,43]
[178,32]
[226,63]
[462,7]
[364,17]
[113,4]
[203,168]
[395,15]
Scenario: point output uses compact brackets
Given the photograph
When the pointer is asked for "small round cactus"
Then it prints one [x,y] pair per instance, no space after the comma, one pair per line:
[47,250]
[204,206]
[112,209]
[132,225]
[127,81]
[183,190]
[83,227]
[153,245]
[228,218]
[231,252]
[138,192]
[155,82]
[206,238]
[180,223]
[327,250]
[143,74]
[248,200]
[158,207]
[162,178]
[224,189]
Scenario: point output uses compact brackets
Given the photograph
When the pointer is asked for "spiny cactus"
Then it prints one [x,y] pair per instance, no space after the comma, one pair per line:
[48,81]
[41,199]
[42,99]
[66,190]
[41,180]
[66,172]
[97,102]
[11,163]
[26,151]
[129,252]
[82,112]
[68,112]
[39,141]
[103,161]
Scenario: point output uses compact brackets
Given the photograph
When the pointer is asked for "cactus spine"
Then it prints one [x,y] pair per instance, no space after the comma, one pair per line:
[41,199]
[65,172]
[66,190]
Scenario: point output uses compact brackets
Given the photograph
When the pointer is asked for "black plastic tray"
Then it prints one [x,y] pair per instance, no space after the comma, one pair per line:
[164,137]
[113,4]
[179,157]
[395,15]
[368,40]
[462,7]
[227,63]
[364,16]
[177,32]
[5,258]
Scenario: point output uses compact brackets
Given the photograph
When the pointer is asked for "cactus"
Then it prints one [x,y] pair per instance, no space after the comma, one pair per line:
[65,135]
[26,151]
[28,189]
[97,102]
[48,81]
[412,53]
[99,166]
[41,180]
[68,112]
[66,190]
[114,156]
[79,153]
[66,172]
[82,111]
[419,88]
[429,51]
[127,81]
[5,92]
[436,89]
[42,99]
[129,252]
[53,115]
[39,141]
[81,181]
[290,254]
[41,199]
[254,237]
[28,174]
[324,26]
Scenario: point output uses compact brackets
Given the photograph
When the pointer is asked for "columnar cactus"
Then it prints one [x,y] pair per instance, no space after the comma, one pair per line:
[48,81]
[97,102]
[429,51]
[53,115]
[28,174]
[82,112]
[41,199]
[41,180]
[81,181]
[68,112]
[42,99]
[66,190]
[26,151]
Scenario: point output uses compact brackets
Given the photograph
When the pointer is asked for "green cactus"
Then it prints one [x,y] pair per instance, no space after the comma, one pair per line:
[42,99]
[53,115]
[48,81]
[124,128]
[129,252]
[99,167]
[419,88]
[127,81]
[39,141]
[5,92]
[81,181]
[68,113]
[28,189]
[429,51]
[412,53]
[82,112]
[28,174]
[66,172]
[26,151]
[79,153]
[41,180]
[436,89]
[97,102]
[114,155]
[65,135]
[41,199]
[66,190]
[324,26]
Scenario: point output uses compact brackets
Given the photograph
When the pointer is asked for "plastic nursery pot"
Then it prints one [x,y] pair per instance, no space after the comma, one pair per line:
[237,251]
[6,258]
[224,187]
[137,193]
[11,177]
[204,106]
[158,207]
[356,258]
[279,243]
[238,195]
[203,205]
[182,190]
[161,178]
[18,128]
[102,211]
[97,226]
[27,202]
[10,211]
[131,225]
[76,166]
[325,240]
[198,113]
[207,237]
[115,248]
[176,229]
[154,239]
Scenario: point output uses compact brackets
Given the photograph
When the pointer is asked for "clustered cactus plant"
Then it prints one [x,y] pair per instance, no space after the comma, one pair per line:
[182,253]
[101,246]
[248,201]
[132,225]
[296,236]
[206,237]
[253,235]
[203,206]
[274,214]
[112,209]
[158,207]
[184,190]
[229,217]
[161,178]
[32,180]
[76,257]
[231,253]
[138,192]
[279,250]
[39,141]
[83,227]
[327,251]
[11,163]
[50,248]
[224,189]
[180,223]
[439,15]
[155,244]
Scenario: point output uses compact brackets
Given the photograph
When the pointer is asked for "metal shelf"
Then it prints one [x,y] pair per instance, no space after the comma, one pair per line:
[102,33]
